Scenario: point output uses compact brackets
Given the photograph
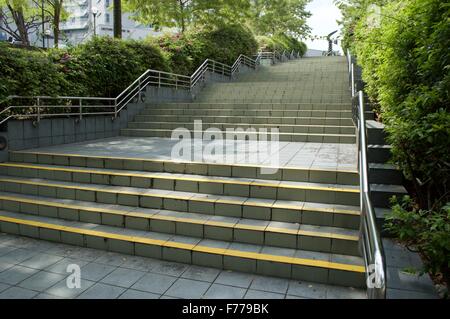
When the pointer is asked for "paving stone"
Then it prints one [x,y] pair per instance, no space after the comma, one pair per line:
[135,294]
[41,261]
[217,291]
[17,293]
[154,283]
[95,271]
[16,274]
[270,284]
[168,268]
[17,256]
[111,259]
[188,289]
[307,289]
[236,279]
[123,277]
[201,273]
[257,294]
[62,290]
[102,291]
[61,266]
[41,281]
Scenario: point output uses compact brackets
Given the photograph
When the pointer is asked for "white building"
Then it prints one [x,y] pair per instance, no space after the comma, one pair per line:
[80,25]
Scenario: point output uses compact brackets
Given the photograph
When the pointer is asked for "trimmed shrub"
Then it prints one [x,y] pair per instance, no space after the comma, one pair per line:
[281,42]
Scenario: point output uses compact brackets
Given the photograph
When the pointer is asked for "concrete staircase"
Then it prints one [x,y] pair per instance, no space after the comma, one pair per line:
[300,223]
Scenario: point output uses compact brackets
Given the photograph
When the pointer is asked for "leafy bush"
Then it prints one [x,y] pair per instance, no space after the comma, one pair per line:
[281,42]
[109,65]
[28,72]
[427,231]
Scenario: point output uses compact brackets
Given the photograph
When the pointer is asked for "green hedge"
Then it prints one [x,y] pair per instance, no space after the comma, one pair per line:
[281,42]
[406,67]
[187,52]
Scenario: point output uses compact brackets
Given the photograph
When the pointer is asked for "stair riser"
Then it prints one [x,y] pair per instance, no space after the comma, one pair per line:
[237,209]
[385,176]
[209,259]
[382,199]
[245,120]
[221,170]
[252,107]
[223,127]
[300,99]
[249,113]
[185,228]
[378,154]
[283,137]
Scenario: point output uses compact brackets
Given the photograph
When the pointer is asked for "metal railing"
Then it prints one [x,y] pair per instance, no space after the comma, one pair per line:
[371,245]
[39,107]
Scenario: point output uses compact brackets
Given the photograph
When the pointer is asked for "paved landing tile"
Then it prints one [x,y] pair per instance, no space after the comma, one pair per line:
[16,274]
[102,291]
[307,289]
[138,263]
[154,283]
[188,289]
[111,259]
[336,292]
[257,294]
[17,256]
[17,293]
[135,294]
[95,272]
[63,291]
[4,249]
[41,261]
[236,279]
[41,281]
[269,284]
[4,266]
[201,273]
[168,268]
[123,277]
[217,291]
[61,266]
[4,287]
[43,295]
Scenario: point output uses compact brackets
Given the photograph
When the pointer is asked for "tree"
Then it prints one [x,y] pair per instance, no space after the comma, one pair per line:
[18,19]
[182,14]
[54,13]
[279,16]
[117,13]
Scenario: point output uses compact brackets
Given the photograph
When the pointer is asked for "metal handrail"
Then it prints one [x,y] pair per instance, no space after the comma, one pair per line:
[115,105]
[370,240]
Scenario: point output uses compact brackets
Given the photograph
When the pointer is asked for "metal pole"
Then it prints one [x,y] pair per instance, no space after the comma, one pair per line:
[95,24]
[43,27]
[38,110]
[81,110]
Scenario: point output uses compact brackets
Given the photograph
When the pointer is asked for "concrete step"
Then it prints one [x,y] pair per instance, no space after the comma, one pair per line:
[267,260]
[382,193]
[263,106]
[376,133]
[295,211]
[283,137]
[278,234]
[283,128]
[254,171]
[256,188]
[379,153]
[275,99]
[247,120]
[246,112]
[385,174]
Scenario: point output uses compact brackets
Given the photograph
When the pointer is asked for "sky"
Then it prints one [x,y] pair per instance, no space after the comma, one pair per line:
[322,22]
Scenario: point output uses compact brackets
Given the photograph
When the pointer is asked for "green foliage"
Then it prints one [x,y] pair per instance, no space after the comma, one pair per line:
[405,60]
[281,42]
[427,231]
[28,72]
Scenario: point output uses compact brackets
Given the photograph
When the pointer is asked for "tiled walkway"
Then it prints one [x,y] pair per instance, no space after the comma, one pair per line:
[32,268]
[298,154]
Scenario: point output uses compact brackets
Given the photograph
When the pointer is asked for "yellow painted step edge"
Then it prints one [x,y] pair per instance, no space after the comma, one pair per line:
[162,195]
[171,162]
[181,219]
[198,248]
[190,179]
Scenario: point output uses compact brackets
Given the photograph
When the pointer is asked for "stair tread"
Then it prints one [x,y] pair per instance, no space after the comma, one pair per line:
[259,252]
[193,218]
[189,177]
[240,124]
[258,202]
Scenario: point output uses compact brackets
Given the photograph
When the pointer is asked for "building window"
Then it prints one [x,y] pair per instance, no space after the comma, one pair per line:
[107,18]
[107,3]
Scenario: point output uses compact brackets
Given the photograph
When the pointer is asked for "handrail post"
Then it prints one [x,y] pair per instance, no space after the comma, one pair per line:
[115,108]
[81,109]
[38,109]
[159,79]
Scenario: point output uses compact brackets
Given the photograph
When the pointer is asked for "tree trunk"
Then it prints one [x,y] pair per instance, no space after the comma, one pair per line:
[182,21]
[19,20]
[56,20]
[117,19]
